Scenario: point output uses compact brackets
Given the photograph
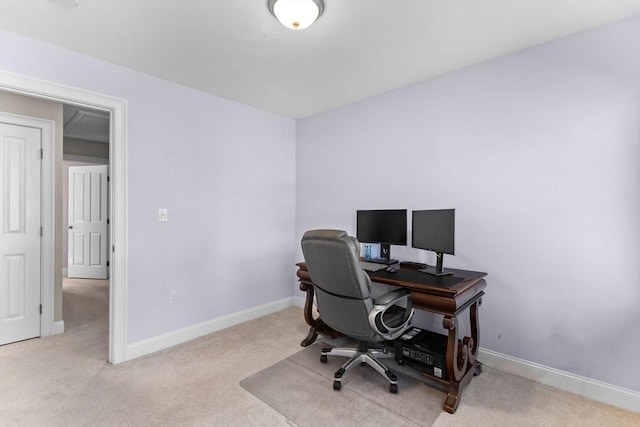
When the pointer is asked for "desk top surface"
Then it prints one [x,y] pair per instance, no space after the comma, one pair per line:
[450,285]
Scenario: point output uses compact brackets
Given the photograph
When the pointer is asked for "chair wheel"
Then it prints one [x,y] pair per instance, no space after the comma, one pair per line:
[363,363]
[323,358]
[337,385]
[393,388]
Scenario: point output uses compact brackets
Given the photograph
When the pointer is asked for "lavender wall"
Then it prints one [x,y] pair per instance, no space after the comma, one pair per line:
[539,152]
[224,171]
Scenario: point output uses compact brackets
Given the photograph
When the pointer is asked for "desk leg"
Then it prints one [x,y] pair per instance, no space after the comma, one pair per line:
[462,365]
[308,315]
[475,331]
[317,326]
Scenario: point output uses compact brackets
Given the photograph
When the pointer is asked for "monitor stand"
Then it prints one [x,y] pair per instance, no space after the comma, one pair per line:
[385,251]
[437,270]
[385,255]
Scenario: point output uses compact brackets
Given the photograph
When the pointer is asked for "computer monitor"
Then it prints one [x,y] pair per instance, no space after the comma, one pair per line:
[386,227]
[434,230]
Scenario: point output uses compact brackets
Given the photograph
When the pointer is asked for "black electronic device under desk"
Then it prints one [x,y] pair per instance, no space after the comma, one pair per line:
[423,350]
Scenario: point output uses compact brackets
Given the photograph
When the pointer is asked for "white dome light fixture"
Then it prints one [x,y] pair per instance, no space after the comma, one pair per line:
[296,14]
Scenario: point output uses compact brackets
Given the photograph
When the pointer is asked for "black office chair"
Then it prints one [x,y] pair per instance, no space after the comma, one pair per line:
[344,301]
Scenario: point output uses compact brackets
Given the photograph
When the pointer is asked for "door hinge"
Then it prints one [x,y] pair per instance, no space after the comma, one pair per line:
[107,263]
[41,153]
[40,231]
[107,220]
[108,178]
[40,308]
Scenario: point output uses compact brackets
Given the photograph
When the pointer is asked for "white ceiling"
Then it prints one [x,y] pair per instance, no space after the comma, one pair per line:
[358,48]
[84,123]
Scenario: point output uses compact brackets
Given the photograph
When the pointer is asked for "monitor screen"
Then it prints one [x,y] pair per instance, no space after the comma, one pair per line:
[382,226]
[434,230]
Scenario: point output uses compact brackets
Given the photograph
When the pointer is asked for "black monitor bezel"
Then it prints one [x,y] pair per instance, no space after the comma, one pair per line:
[400,212]
[436,249]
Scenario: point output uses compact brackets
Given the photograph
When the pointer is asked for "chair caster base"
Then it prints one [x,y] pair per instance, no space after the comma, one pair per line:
[363,357]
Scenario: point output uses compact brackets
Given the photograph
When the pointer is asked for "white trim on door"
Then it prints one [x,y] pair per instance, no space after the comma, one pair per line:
[118,287]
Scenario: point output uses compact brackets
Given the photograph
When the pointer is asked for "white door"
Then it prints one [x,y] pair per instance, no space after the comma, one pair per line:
[20,158]
[88,226]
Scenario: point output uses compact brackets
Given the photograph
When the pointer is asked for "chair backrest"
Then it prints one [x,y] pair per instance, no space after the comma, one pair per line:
[341,286]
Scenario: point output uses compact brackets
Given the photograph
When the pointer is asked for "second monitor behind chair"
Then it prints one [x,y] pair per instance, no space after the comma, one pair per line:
[343,292]
[384,227]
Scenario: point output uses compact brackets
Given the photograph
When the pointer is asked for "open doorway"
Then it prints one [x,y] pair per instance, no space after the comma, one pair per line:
[85,219]
[118,246]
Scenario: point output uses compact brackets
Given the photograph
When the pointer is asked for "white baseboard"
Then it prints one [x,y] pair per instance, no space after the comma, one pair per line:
[189,333]
[592,389]
[58,327]
[299,301]
[583,386]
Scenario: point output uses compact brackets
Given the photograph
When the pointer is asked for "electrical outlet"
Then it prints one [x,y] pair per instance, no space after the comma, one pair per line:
[163,215]
[173,296]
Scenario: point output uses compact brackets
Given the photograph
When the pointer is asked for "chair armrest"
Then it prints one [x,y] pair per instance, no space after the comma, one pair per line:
[386,303]
[391,297]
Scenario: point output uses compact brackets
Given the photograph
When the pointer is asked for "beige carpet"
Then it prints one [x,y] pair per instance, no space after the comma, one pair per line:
[498,399]
[301,388]
[84,301]
[65,380]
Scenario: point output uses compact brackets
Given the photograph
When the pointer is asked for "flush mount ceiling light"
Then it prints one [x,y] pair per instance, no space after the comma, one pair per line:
[296,14]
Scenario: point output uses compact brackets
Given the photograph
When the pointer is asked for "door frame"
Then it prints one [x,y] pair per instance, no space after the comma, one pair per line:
[47,210]
[118,227]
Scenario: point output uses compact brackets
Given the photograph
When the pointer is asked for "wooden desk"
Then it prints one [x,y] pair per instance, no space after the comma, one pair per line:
[449,296]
